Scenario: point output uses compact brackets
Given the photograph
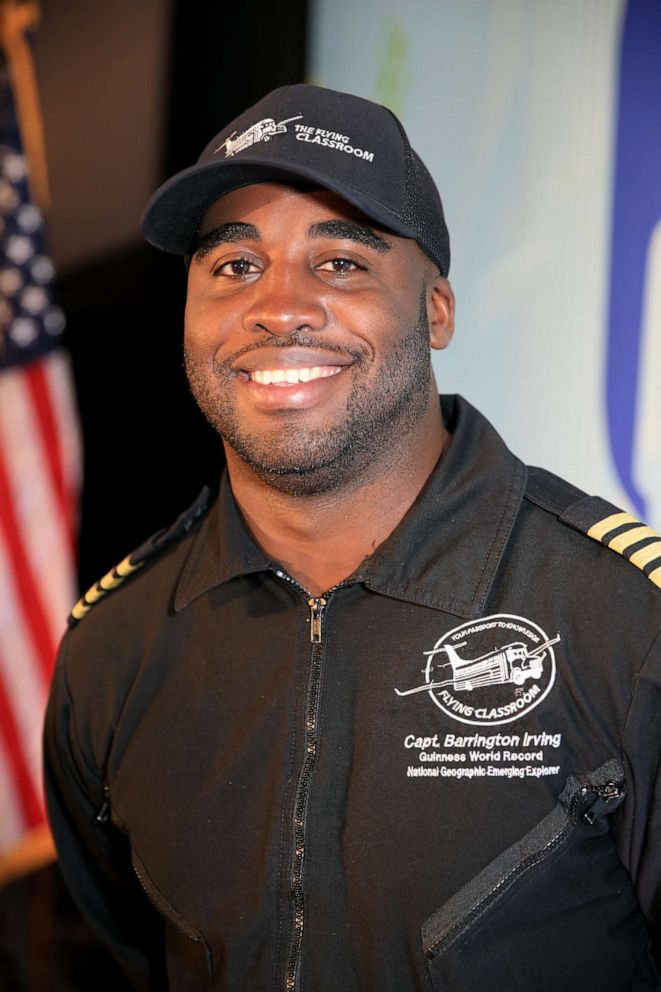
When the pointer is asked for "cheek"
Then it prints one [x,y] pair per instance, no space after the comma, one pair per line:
[374,321]
[383,328]
[204,330]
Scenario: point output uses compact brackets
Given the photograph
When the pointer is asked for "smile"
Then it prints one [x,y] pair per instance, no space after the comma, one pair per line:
[286,377]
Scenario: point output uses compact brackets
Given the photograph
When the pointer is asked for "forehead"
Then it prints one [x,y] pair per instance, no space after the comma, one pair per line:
[266,204]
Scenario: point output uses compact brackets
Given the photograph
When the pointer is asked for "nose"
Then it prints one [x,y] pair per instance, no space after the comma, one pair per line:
[285,300]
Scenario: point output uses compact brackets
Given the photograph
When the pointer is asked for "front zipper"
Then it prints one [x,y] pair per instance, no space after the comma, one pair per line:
[317,607]
[581,802]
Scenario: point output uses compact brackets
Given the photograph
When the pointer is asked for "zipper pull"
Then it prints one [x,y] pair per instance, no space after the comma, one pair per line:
[317,605]
[104,813]
[609,796]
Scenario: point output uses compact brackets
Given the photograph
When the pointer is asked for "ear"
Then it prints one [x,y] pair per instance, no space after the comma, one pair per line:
[440,312]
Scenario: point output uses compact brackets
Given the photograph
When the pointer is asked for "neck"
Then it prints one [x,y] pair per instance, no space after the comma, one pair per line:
[321,539]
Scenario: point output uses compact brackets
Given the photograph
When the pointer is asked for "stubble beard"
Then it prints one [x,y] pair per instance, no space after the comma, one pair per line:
[380,415]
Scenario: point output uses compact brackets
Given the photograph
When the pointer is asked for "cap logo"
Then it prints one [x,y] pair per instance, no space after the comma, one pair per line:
[331,139]
[263,130]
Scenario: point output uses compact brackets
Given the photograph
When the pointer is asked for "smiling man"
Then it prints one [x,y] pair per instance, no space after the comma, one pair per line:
[307,347]
[383,713]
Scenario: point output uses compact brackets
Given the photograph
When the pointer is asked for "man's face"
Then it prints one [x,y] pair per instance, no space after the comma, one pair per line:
[307,336]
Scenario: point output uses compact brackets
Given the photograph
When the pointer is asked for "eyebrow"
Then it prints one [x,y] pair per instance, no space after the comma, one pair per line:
[350,231]
[223,235]
[345,230]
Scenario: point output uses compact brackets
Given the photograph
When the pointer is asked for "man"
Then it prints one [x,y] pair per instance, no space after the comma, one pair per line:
[384,714]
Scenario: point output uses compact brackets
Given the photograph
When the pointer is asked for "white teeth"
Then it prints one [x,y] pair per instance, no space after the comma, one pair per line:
[293,376]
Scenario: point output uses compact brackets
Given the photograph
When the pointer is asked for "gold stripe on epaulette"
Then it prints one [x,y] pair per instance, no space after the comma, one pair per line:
[600,529]
[79,610]
[646,555]
[109,581]
[125,567]
[630,537]
[116,575]
[634,533]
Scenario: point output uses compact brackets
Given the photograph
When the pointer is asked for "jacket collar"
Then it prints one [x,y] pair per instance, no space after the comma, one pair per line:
[444,553]
[222,550]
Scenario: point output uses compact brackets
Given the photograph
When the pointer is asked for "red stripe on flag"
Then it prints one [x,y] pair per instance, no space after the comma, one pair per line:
[39,390]
[30,802]
[27,588]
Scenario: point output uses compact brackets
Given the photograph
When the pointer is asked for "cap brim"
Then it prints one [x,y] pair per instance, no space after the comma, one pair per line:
[172,216]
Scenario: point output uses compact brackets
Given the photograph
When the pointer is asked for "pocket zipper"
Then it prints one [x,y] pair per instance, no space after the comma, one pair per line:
[104,813]
[159,902]
[162,905]
[582,800]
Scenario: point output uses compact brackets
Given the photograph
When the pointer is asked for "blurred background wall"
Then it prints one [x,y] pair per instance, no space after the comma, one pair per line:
[541,125]
[103,72]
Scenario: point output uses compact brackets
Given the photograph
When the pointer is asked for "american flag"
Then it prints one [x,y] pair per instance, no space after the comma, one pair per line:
[39,479]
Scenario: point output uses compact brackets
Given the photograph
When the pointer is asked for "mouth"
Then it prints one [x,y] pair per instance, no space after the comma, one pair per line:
[293,367]
[292,376]
[280,379]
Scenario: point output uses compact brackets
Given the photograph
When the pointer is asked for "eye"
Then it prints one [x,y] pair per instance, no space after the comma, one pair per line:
[340,266]
[236,268]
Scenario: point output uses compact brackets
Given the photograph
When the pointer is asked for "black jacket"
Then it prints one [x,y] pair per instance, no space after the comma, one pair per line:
[443,773]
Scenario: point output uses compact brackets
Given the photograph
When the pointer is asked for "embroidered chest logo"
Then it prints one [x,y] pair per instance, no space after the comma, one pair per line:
[488,672]
[263,130]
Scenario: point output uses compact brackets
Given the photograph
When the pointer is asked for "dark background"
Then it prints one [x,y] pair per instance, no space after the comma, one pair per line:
[147,451]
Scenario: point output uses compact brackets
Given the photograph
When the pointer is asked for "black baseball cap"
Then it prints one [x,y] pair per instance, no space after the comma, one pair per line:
[340,142]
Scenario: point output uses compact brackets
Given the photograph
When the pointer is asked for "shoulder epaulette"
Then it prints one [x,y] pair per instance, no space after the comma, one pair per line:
[150,549]
[619,531]
[550,491]
[597,518]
